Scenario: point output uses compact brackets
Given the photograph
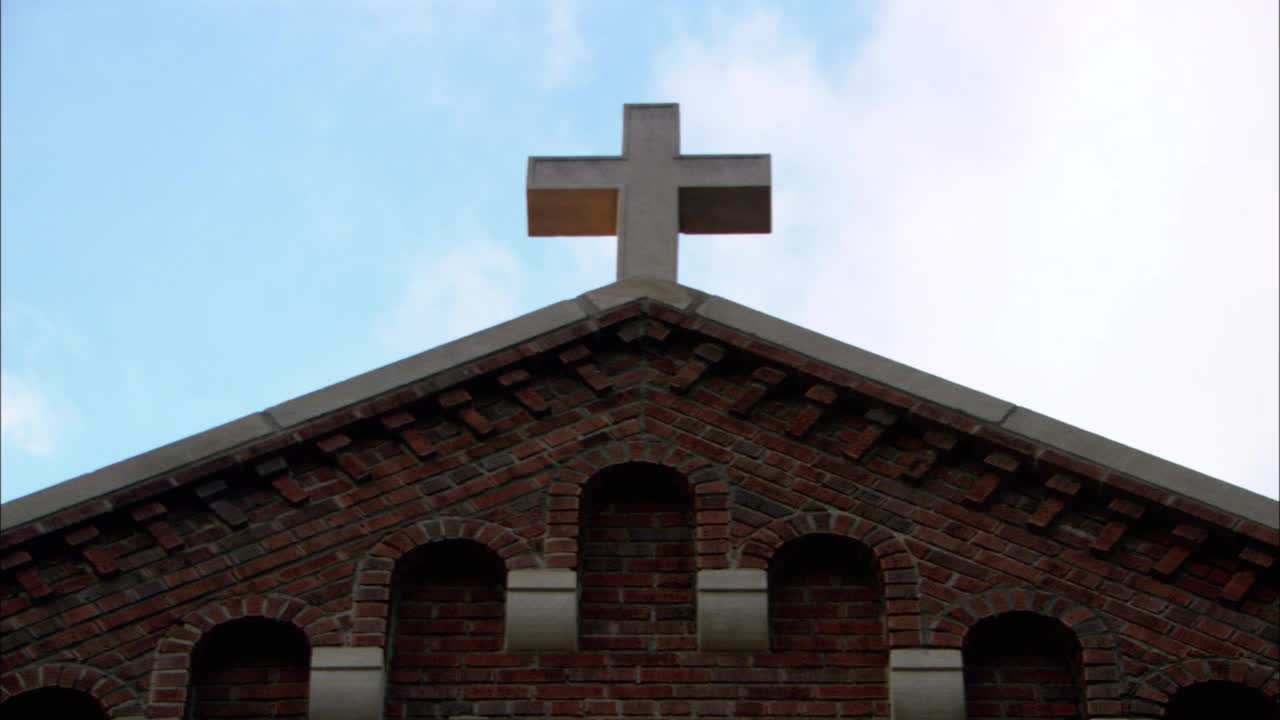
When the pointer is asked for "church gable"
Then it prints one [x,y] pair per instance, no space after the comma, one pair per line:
[644,502]
[633,513]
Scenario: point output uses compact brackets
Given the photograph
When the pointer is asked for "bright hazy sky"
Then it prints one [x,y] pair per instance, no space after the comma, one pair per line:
[213,206]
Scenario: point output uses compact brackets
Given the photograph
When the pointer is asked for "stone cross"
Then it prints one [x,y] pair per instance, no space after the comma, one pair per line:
[650,194]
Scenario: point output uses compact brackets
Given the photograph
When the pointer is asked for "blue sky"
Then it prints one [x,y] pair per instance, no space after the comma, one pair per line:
[210,207]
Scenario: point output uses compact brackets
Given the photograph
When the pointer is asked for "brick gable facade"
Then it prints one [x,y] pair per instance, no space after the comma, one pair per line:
[640,447]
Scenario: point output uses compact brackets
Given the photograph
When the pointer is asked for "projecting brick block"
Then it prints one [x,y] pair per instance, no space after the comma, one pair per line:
[880,416]
[274,466]
[1257,556]
[397,420]
[229,513]
[577,353]
[593,376]
[1238,586]
[81,535]
[1109,536]
[33,582]
[768,375]
[147,511]
[688,375]
[983,488]
[514,378]
[1193,534]
[821,394]
[1127,508]
[1002,461]
[13,560]
[210,489]
[1045,514]
[1172,560]
[454,398]
[333,443]
[532,400]
[709,352]
[474,420]
[417,442]
[804,421]
[941,440]
[164,535]
[1064,484]
[103,562]
[290,490]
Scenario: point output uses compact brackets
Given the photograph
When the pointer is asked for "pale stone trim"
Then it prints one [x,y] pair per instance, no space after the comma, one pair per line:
[542,610]
[926,684]
[733,610]
[347,683]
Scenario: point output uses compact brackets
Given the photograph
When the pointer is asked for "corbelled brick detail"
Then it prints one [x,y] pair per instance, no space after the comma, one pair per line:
[500,452]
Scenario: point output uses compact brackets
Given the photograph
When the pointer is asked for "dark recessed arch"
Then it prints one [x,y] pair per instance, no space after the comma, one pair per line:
[637,560]
[50,703]
[447,598]
[1023,665]
[1209,699]
[108,691]
[250,667]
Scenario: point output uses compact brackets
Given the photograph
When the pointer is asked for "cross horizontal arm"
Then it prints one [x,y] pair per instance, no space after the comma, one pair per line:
[723,171]
[724,194]
[576,173]
[574,196]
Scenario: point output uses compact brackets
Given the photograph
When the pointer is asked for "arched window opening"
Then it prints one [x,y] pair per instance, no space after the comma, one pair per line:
[1213,699]
[636,561]
[53,703]
[825,596]
[250,668]
[1022,665]
[447,598]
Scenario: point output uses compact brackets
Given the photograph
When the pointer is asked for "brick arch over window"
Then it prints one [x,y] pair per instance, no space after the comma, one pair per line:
[899,578]
[171,672]
[117,698]
[1103,669]
[373,578]
[708,481]
[1161,684]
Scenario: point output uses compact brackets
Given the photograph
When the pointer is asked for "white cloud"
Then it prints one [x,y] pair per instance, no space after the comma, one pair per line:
[449,295]
[1070,205]
[28,420]
[567,51]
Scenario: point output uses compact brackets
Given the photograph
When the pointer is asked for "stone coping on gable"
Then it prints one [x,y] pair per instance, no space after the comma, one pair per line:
[293,413]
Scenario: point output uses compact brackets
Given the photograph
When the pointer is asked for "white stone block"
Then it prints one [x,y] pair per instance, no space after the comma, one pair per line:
[733,610]
[926,684]
[542,610]
[347,683]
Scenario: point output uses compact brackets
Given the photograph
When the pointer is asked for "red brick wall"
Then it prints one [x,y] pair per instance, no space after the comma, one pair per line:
[1020,666]
[250,668]
[964,523]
